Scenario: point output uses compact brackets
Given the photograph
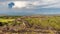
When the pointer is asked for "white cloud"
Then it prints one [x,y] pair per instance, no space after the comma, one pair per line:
[20,4]
[50,3]
[34,4]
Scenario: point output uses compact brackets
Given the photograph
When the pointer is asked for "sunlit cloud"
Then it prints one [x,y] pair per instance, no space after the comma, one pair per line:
[20,4]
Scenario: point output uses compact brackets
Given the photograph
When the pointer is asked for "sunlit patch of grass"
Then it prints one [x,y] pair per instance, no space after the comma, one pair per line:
[6,20]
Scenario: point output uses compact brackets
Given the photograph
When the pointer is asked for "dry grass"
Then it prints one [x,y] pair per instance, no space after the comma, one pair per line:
[30,25]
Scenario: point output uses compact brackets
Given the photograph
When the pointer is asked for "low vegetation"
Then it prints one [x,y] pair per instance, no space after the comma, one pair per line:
[31,23]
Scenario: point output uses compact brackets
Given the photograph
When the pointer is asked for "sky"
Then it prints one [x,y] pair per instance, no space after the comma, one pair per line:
[28,7]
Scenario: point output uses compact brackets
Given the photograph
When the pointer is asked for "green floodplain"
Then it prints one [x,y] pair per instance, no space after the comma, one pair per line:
[30,24]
